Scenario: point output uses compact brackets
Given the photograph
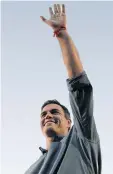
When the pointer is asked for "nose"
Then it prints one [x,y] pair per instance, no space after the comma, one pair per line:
[48,115]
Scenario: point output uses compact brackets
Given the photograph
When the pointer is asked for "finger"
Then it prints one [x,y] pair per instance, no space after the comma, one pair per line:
[59,8]
[63,8]
[51,11]
[55,9]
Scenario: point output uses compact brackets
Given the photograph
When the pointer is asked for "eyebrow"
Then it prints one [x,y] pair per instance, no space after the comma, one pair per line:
[44,112]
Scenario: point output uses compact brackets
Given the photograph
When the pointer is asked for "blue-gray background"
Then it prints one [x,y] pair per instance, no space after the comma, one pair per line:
[33,71]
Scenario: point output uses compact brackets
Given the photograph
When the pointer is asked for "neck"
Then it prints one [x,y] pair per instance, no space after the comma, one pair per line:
[49,140]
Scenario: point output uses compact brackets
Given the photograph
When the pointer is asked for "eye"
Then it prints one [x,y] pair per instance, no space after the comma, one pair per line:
[54,111]
[43,114]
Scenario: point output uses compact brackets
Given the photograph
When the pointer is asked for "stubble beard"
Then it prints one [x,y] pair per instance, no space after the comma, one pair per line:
[51,133]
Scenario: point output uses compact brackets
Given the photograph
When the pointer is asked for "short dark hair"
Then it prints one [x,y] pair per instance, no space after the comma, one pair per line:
[66,111]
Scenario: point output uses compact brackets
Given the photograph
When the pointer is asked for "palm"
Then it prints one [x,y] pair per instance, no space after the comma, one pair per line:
[57,22]
[57,18]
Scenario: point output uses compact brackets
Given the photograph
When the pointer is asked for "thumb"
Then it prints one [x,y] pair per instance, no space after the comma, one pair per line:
[44,19]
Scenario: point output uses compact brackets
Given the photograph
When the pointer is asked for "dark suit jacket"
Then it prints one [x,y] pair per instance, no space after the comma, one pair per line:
[79,151]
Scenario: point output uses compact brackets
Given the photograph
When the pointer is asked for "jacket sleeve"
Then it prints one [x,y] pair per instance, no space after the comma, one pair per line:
[81,101]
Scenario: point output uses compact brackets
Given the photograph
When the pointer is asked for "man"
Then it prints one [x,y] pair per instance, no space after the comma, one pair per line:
[69,149]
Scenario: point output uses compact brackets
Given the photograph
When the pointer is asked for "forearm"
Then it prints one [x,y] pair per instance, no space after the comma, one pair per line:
[70,54]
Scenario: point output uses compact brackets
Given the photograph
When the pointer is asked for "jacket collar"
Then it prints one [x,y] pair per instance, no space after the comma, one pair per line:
[43,150]
[56,139]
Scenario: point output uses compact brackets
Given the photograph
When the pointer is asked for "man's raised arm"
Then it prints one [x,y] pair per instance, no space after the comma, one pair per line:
[80,89]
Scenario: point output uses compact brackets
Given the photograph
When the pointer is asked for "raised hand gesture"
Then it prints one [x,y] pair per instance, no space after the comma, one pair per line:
[57,17]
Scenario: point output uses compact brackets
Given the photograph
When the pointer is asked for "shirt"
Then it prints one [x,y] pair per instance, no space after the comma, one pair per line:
[79,152]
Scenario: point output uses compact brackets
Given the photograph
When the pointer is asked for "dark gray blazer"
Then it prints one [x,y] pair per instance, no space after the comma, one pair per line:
[79,151]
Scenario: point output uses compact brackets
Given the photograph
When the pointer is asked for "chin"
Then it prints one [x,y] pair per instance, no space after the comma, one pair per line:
[50,132]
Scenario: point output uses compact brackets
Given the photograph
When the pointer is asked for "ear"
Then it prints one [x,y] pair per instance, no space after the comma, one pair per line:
[68,123]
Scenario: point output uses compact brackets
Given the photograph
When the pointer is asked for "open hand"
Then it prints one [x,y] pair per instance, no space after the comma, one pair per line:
[57,17]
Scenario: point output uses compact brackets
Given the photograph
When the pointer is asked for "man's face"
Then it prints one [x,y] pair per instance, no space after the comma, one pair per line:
[53,120]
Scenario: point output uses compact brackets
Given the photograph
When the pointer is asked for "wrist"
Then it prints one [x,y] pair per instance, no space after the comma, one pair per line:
[63,34]
[60,32]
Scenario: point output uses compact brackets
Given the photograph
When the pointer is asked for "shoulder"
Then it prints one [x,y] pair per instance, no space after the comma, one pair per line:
[36,165]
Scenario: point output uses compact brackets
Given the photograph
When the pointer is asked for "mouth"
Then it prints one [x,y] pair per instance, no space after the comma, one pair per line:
[49,121]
